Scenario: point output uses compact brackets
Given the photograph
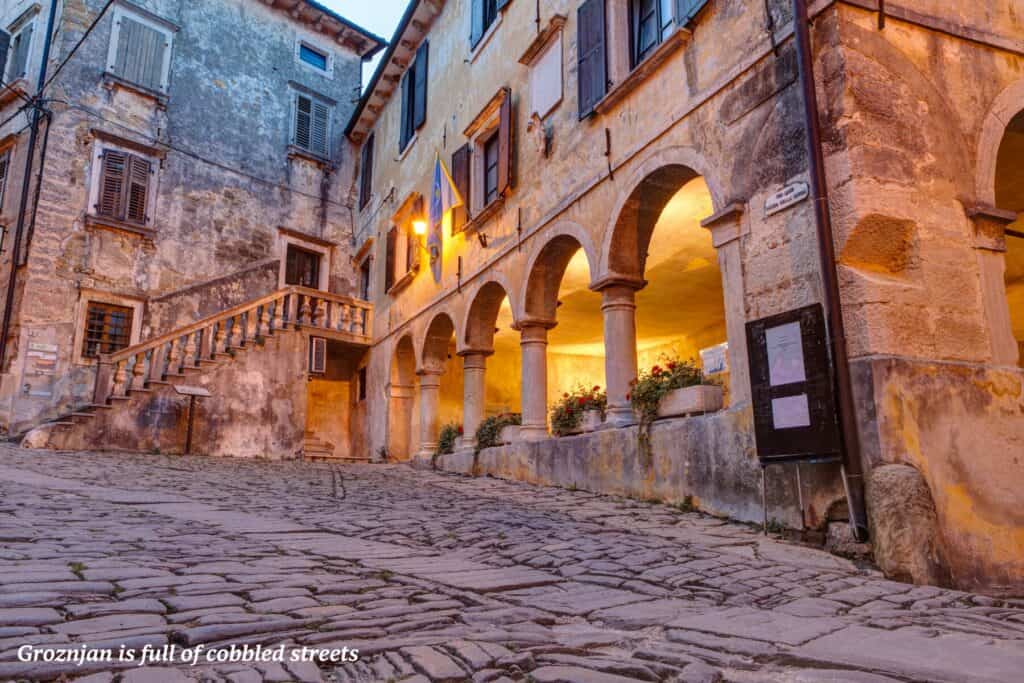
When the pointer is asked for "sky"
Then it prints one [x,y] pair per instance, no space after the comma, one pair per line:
[377,16]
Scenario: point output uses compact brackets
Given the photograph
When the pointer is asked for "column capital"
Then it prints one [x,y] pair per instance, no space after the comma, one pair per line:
[617,281]
[466,354]
[725,225]
[534,323]
[990,226]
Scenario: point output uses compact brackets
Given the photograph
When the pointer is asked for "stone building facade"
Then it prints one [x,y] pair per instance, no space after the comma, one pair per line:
[619,161]
[194,161]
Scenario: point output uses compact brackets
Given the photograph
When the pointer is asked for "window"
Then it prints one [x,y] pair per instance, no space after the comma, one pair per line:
[312,125]
[123,192]
[302,267]
[20,49]
[366,172]
[364,280]
[317,355]
[645,27]
[491,169]
[108,329]
[313,57]
[362,383]
[483,14]
[5,164]
[414,96]
[140,50]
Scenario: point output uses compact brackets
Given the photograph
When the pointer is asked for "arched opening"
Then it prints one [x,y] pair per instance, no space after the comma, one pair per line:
[659,240]
[559,292]
[1010,197]
[441,362]
[402,409]
[489,329]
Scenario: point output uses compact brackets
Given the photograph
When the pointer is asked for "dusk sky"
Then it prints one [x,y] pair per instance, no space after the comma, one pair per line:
[377,16]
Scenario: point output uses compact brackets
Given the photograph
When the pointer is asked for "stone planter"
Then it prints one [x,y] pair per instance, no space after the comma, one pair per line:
[592,420]
[458,444]
[703,398]
[509,434]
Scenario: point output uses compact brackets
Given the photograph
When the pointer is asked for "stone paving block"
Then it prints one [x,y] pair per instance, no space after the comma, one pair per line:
[772,627]
[29,616]
[97,609]
[490,580]
[435,664]
[186,603]
[575,674]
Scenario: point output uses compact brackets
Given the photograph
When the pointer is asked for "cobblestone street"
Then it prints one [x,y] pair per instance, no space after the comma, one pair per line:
[440,578]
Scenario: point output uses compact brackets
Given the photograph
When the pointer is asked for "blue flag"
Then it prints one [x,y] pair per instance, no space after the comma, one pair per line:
[443,198]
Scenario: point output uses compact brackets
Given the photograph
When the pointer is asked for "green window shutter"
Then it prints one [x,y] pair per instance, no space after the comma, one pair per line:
[140,54]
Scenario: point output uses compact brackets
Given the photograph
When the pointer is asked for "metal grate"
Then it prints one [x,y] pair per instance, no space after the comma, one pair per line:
[108,329]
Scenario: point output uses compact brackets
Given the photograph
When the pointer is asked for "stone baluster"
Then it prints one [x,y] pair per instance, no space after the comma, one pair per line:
[235,340]
[279,304]
[220,338]
[304,309]
[104,381]
[157,361]
[174,357]
[345,324]
[121,378]
[251,325]
[139,372]
[320,313]
[206,343]
[265,319]
[189,361]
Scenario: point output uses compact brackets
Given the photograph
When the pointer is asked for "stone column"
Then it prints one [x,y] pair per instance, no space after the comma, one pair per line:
[990,246]
[399,416]
[620,365]
[430,394]
[727,227]
[474,374]
[534,345]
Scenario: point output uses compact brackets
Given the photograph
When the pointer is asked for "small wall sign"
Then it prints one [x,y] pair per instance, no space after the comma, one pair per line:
[715,359]
[790,195]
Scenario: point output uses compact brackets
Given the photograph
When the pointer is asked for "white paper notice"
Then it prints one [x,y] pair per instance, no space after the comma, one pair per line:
[785,354]
[791,412]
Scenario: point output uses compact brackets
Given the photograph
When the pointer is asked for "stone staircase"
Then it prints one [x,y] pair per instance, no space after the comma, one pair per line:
[135,406]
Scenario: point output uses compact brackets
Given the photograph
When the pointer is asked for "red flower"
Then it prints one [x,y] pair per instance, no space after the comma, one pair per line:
[565,395]
[582,401]
[460,430]
[656,370]
[671,366]
[597,389]
[629,396]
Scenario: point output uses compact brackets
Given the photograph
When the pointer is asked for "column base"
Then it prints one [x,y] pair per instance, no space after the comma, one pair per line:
[617,418]
[533,433]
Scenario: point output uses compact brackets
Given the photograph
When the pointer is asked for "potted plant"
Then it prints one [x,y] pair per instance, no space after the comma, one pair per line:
[449,434]
[579,410]
[673,389]
[498,430]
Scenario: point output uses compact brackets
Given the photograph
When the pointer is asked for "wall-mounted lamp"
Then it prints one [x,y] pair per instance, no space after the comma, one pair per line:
[482,238]
[419,227]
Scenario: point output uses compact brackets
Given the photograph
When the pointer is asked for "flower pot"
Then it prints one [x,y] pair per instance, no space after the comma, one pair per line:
[592,420]
[509,434]
[703,398]
[458,443]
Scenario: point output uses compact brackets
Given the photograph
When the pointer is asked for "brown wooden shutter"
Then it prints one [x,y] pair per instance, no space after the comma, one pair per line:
[506,140]
[462,177]
[137,195]
[389,259]
[420,87]
[476,31]
[366,172]
[592,71]
[112,184]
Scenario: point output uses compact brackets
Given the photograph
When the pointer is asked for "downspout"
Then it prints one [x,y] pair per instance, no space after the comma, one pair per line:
[5,327]
[851,455]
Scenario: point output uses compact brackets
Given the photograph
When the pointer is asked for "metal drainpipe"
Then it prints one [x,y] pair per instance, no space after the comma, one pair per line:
[852,466]
[5,327]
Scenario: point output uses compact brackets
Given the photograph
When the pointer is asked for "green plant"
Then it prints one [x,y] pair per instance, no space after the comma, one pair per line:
[446,443]
[568,411]
[653,385]
[489,433]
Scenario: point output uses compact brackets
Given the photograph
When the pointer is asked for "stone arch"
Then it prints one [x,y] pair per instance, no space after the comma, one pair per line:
[1004,108]
[482,314]
[403,361]
[651,185]
[434,351]
[401,399]
[547,264]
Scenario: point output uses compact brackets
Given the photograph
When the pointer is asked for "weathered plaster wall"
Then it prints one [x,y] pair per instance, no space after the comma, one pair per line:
[225,183]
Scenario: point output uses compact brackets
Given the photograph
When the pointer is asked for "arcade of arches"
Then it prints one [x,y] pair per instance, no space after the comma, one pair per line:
[664,300]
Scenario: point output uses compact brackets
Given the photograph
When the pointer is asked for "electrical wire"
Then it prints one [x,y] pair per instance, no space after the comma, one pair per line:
[81,40]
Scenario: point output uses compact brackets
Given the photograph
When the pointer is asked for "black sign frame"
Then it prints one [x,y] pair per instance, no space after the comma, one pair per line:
[821,440]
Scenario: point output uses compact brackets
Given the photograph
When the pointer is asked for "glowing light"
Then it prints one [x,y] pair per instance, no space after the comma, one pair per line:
[419,227]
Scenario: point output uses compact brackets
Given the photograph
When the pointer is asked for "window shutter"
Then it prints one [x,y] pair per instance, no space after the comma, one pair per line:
[136,200]
[320,132]
[461,176]
[506,139]
[5,163]
[19,68]
[303,121]
[389,259]
[140,54]
[502,4]
[112,184]
[420,95]
[366,172]
[686,10]
[291,267]
[317,355]
[593,69]
[477,28]
[5,48]
[405,132]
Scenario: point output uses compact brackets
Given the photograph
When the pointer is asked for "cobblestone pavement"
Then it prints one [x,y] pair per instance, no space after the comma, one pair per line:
[438,578]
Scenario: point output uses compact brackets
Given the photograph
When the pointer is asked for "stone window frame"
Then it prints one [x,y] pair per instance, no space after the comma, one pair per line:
[296,91]
[315,46]
[87,296]
[102,143]
[484,127]
[150,20]
[287,237]
[553,42]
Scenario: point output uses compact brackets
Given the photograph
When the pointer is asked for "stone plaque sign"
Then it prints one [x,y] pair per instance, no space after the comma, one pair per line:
[715,359]
[186,390]
[791,383]
[790,195]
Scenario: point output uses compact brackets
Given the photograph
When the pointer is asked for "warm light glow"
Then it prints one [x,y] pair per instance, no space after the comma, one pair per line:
[419,227]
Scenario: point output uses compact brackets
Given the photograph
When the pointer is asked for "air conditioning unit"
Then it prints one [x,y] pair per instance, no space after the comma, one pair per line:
[317,355]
